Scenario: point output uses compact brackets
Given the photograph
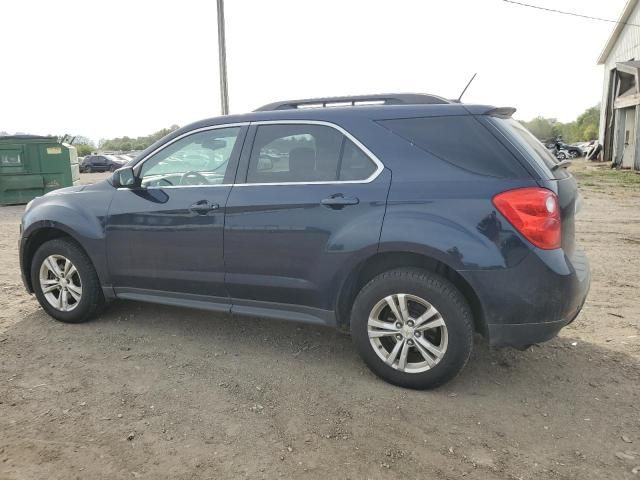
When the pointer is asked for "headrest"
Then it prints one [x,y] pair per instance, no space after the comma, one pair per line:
[302,160]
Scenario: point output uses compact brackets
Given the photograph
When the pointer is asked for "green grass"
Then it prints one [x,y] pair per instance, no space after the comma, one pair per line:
[604,177]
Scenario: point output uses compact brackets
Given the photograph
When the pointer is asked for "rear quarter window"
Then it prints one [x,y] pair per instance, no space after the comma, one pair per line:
[530,147]
[461,141]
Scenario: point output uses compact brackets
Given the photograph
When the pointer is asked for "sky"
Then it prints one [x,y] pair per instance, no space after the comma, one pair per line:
[103,69]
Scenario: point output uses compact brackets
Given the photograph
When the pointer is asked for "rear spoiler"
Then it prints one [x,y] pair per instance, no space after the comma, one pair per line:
[502,112]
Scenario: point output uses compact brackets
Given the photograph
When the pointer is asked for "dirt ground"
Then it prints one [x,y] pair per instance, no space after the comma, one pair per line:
[154,392]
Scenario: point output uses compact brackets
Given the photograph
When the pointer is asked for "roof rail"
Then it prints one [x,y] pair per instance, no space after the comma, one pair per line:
[357,100]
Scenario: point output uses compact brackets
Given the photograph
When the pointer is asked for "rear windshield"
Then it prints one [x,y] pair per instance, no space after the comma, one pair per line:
[530,146]
[460,140]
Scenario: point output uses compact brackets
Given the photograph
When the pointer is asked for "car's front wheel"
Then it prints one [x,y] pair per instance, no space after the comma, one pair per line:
[65,281]
[412,328]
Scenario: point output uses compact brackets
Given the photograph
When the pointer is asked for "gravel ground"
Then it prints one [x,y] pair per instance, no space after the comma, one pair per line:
[155,392]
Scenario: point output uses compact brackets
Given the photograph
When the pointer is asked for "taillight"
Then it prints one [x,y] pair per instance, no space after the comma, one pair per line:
[534,212]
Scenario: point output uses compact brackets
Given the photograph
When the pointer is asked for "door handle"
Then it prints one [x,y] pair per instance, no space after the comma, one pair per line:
[203,207]
[338,201]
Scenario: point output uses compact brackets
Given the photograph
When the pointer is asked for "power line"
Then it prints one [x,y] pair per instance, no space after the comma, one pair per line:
[573,14]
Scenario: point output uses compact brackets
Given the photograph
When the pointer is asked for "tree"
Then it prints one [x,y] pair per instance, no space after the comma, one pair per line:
[544,128]
[84,145]
[588,123]
[125,144]
[583,129]
[84,149]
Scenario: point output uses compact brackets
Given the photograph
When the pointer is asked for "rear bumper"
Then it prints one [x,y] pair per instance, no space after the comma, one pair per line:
[522,334]
[533,301]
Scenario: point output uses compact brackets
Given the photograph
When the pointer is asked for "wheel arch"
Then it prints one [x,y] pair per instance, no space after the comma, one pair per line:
[384,261]
[36,239]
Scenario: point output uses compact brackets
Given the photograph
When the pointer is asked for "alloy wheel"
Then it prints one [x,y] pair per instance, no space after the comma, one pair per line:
[407,333]
[60,283]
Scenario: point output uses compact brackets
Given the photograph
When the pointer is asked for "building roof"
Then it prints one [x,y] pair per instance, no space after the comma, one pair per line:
[617,30]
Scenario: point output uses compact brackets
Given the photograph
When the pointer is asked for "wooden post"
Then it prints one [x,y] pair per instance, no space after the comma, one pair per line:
[618,136]
[636,150]
[222,60]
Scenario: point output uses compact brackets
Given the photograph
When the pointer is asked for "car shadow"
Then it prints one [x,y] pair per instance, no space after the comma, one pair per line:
[561,361]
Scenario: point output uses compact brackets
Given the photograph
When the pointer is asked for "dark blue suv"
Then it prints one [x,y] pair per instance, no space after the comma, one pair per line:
[409,220]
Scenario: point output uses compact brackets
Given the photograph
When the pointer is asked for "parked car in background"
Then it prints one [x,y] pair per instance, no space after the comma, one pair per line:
[574,150]
[585,146]
[412,224]
[564,150]
[126,158]
[101,163]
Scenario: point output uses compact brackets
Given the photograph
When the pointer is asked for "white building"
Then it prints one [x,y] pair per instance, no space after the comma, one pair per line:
[620,112]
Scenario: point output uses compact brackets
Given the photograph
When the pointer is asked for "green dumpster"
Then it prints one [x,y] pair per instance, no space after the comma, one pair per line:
[32,165]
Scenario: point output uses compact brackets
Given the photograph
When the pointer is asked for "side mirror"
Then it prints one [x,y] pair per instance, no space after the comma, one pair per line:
[124,178]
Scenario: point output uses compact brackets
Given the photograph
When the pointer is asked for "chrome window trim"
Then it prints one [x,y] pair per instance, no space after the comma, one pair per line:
[138,166]
[379,165]
[358,143]
[168,187]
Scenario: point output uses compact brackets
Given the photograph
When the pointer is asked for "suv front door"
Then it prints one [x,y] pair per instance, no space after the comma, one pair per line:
[166,235]
[308,202]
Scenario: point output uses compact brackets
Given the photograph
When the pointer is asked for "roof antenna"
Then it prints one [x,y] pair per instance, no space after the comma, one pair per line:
[465,88]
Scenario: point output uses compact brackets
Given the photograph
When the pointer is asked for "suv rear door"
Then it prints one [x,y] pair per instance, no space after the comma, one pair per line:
[99,162]
[308,202]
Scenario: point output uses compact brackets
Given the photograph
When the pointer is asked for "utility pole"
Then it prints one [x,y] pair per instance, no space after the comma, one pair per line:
[222,58]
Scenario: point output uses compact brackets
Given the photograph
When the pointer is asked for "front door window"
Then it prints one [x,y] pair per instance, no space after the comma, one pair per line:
[198,159]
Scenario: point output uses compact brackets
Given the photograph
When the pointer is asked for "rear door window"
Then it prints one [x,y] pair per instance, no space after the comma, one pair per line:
[461,141]
[306,153]
[355,165]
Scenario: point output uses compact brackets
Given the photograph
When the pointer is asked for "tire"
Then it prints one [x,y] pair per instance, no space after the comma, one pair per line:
[79,307]
[561,156]
[455,339]
[573,154]
[88,170]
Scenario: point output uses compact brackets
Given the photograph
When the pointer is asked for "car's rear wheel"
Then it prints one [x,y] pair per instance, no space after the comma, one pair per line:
[412,328]
[65,281]
[88,170]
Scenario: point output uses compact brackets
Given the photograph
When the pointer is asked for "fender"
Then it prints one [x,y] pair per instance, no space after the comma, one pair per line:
[83,221]
[471,236]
